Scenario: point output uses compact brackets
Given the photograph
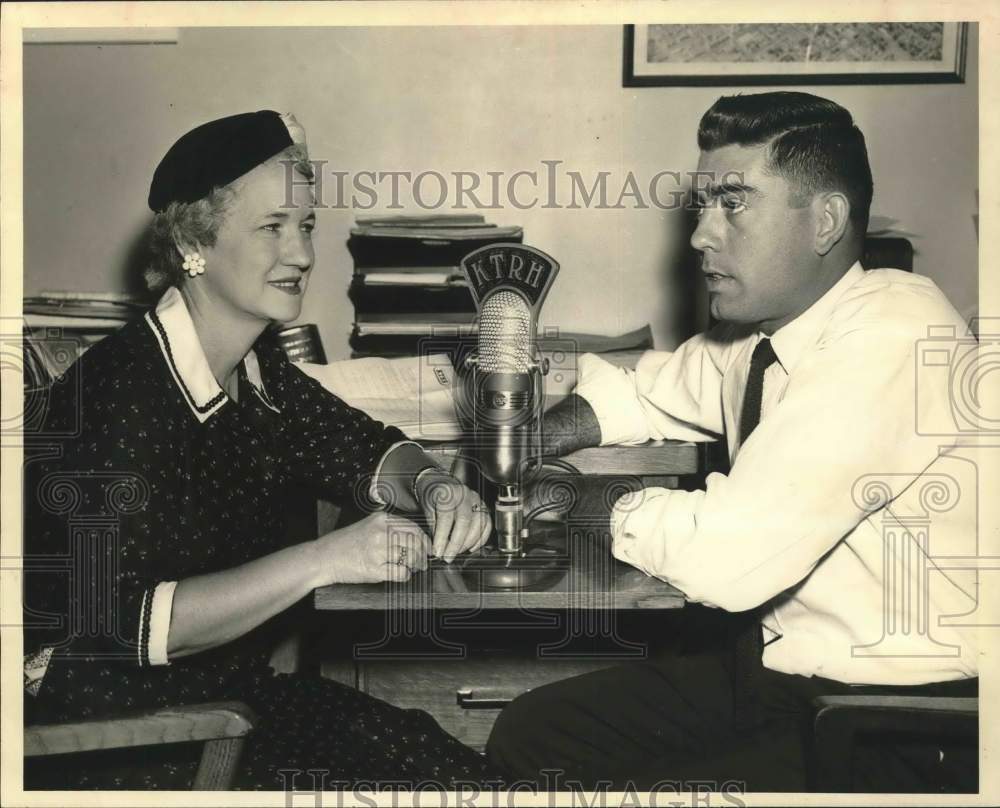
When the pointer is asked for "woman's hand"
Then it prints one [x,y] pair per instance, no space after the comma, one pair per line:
[457,517]
[378,548]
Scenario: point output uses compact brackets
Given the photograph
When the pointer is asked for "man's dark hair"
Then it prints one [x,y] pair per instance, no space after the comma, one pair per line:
[812,142]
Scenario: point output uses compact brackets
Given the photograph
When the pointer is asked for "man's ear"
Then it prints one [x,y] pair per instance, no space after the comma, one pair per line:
[833,212]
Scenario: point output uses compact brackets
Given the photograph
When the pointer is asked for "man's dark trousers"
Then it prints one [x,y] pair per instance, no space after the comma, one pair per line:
[672,722]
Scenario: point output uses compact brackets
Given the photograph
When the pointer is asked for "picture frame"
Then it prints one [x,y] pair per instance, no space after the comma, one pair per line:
[794,53]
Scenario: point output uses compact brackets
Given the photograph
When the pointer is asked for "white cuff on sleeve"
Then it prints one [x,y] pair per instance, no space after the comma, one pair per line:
[652,527]
[610,391]
[159,622]
[654,530]
[373,488]
[630,532]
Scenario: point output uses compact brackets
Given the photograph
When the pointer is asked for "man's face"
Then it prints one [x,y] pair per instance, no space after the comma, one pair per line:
[757,249]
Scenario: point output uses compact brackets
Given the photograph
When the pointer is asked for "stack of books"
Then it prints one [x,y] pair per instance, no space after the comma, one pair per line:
[408,290]
[81,310]
[60,326]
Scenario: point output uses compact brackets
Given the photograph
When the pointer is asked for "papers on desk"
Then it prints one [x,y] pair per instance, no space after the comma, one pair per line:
[412,393]
[641,339]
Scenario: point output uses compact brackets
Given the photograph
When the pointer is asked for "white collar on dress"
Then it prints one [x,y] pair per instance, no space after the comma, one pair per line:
[174,330]
[791,340]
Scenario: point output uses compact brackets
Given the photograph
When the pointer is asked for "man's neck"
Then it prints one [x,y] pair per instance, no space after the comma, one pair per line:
[827,277]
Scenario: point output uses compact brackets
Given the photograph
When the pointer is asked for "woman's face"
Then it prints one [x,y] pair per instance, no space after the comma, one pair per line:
[263,251]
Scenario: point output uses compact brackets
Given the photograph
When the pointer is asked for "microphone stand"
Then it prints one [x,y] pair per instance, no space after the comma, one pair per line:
[507,431]
[501,393]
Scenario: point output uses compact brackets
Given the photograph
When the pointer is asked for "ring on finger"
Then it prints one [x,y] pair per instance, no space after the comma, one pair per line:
[402,557]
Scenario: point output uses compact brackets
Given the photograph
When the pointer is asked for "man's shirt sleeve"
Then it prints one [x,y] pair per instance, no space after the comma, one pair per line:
[789,496]
[674,396]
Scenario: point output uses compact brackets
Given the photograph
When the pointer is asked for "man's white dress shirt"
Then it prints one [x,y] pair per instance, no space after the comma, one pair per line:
[833,513]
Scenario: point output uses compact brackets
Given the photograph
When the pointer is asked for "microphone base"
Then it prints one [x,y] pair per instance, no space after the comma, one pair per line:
[542,562]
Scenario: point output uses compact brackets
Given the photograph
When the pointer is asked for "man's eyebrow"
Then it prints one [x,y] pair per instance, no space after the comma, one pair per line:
[739,188]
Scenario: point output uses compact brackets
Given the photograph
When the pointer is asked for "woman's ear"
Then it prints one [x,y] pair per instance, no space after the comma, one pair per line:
[833,215]
[183,246]
[184,249]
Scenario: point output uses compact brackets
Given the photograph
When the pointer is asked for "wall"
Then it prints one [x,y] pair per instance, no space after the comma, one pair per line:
[98,118]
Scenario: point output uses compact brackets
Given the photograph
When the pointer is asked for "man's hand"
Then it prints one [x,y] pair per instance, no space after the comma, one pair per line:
[458,519]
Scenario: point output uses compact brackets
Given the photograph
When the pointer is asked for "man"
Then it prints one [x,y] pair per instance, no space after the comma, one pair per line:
[811,378]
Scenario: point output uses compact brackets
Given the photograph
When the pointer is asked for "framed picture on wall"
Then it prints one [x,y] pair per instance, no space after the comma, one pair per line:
[795,53]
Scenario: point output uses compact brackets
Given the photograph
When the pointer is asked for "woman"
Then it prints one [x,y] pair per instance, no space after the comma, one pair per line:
[188,428]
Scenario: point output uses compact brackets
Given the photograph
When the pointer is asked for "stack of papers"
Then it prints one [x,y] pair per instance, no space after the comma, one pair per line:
[412,393]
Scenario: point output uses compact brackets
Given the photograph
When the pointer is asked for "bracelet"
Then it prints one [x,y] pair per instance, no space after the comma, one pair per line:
[416,480]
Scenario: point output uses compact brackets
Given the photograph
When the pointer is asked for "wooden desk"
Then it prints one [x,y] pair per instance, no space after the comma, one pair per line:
[588,577]
[656,458]
[508,640]
[585,577]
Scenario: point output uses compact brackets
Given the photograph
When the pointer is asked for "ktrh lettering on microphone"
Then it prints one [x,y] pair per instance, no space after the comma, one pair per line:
[521,268]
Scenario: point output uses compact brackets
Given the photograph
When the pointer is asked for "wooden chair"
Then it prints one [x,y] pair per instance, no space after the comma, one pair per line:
[223,726]
[841,720]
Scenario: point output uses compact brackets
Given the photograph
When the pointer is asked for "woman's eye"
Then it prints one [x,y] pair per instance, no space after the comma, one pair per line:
[273,227]
[309,227]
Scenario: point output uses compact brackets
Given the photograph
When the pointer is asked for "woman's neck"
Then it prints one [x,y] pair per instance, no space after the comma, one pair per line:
[225,337]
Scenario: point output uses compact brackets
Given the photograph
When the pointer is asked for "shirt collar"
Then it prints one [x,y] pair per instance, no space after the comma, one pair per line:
[175,333]
[792,339]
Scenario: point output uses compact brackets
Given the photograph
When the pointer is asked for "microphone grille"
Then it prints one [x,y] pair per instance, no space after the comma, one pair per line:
[504,333]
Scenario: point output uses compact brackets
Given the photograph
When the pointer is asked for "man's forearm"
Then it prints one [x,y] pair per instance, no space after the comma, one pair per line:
[570,425]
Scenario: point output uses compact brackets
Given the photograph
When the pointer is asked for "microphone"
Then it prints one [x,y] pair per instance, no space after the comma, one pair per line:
[508,283]
[505,333]
[508,426]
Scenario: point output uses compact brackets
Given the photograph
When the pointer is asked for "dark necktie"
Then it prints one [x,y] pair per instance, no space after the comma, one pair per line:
[763,357]
[749,646]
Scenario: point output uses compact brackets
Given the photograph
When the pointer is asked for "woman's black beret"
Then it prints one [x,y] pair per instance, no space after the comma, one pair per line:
[216,153]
